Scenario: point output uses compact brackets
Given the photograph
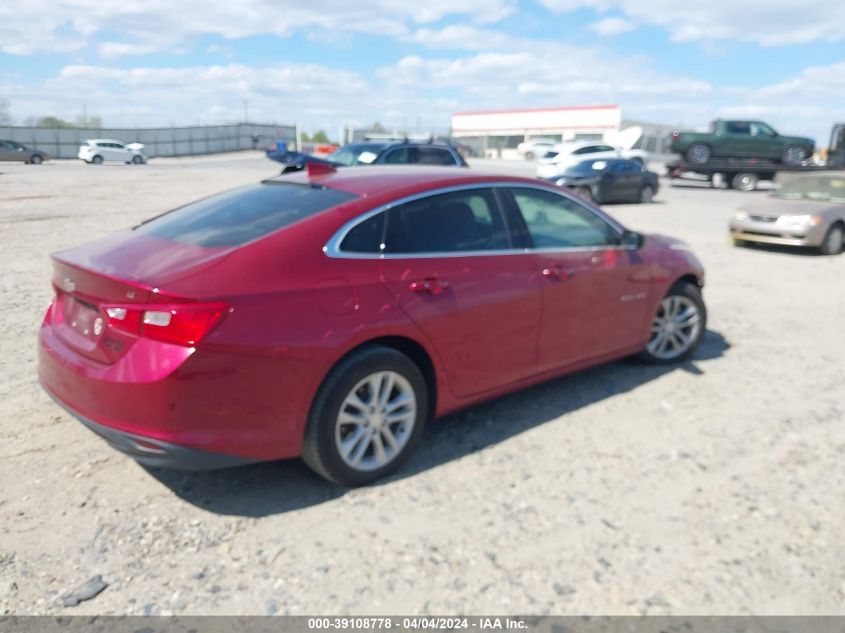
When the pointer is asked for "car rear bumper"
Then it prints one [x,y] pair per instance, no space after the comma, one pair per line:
[154,452]
[213,408]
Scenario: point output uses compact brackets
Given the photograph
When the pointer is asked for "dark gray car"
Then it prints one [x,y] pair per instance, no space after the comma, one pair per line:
[12,150]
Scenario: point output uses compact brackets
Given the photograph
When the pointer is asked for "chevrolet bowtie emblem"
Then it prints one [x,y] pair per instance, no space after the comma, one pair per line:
[68,285]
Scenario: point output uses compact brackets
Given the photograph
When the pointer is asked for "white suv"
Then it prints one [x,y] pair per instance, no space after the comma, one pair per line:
[565,155]
[98,150]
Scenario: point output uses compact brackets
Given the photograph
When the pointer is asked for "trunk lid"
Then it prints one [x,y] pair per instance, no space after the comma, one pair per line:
[117,273]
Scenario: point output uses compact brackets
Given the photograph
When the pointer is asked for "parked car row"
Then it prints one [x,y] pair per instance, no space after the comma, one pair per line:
[94,151]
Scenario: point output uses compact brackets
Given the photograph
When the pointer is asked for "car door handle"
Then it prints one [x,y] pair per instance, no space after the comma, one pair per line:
[429,285]
[555,273]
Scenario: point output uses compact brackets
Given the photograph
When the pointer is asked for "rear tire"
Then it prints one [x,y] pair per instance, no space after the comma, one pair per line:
[833,240]
[698,153]
[678,326]
[647,195]
[97,160]
[356,400]
[529,155]
[586,193]
[745,181]
[794,155]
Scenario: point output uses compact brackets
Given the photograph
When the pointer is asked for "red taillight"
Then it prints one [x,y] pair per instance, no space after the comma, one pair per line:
[179,323]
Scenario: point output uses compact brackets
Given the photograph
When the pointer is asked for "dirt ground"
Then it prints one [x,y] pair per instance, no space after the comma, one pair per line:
[716,487]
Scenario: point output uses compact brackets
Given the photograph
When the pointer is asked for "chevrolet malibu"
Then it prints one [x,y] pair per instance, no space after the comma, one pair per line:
[330,314]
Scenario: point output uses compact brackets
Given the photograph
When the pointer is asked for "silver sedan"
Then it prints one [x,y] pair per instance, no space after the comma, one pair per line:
[809,210]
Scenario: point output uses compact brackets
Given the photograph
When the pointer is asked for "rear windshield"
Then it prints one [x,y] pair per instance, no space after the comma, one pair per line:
[243,215]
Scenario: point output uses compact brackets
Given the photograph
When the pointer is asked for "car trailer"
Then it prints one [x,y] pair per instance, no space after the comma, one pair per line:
[737,173]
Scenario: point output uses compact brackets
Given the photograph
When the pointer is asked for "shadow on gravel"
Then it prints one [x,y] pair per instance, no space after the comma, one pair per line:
[800,251]
[277,487]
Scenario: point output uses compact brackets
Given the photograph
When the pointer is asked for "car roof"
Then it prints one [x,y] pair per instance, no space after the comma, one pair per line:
[103,140]
[395,178]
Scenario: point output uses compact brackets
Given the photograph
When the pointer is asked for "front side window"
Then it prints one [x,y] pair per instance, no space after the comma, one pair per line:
[447,223]
[761,129]
[243,215]
[555,221]
[590,149]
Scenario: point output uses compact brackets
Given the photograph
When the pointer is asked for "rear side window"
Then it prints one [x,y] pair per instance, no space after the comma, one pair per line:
[452,222]
[434,156]
[243,215]
[738,127]
[397,157]
[365,237]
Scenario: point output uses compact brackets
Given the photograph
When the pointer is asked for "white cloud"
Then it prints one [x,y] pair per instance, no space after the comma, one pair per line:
[608,27]
[766,22]
[462,37]
[65,25]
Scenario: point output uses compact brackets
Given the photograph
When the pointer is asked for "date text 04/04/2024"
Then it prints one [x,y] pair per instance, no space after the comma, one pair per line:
[417,623]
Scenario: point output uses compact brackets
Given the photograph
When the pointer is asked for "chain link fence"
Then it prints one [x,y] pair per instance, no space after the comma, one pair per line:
[166,141]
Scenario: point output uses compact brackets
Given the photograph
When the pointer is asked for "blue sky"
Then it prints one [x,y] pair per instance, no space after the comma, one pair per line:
[412,64]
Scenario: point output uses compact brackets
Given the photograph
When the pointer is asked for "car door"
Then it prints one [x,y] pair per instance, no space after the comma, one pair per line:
[451,265]
[121,152]
[737,139]
[634,180]
[106,150]
[594,296]
[612,182]
[8,151]
[765,141]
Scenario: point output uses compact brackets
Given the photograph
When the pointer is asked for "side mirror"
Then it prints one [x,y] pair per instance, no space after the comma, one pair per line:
[631,240]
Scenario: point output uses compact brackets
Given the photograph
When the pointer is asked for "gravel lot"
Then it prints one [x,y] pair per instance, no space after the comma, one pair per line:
[717,487]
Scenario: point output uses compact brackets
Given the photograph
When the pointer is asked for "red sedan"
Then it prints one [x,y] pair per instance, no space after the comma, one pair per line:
[330,314]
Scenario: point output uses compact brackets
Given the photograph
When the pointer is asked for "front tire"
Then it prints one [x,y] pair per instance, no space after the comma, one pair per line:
[833,241]
[36,159]
[137,160]
[678,326]
[647,194]
[367,417]
[698,154]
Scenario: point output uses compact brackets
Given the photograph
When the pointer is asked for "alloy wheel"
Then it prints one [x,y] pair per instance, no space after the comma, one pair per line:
[675,328]
[375,421]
